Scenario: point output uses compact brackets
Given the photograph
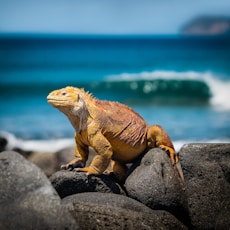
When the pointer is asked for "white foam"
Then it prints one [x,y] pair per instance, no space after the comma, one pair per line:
[52,145]
[159,74]
[220,93]
[178,144]
[59,144]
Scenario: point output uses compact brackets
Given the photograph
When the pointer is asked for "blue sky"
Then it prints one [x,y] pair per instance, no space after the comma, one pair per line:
[105,16]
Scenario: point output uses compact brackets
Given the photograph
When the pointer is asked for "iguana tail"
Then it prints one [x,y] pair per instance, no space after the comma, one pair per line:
[157,137]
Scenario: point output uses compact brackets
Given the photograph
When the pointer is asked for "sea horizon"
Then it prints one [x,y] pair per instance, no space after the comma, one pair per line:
[59,35]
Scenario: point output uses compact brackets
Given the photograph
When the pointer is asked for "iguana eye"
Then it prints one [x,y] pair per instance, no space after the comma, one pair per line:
[63,93]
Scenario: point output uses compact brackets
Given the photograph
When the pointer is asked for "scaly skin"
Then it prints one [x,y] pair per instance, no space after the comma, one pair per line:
[116,133]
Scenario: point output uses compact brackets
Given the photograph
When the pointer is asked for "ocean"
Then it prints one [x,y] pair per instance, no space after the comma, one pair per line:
[180,83]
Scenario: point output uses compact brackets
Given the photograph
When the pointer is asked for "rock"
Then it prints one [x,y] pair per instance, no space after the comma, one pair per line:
[106,211]
[63,157]
[27,198]
[154,183]
[51,162]
[71,182]
[3,143]
[222,220]
[207,179]
[170,221]
[66,155]
[45,161]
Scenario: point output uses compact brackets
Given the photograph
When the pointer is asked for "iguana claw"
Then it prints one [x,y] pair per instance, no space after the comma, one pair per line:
[73,164]
[87,170]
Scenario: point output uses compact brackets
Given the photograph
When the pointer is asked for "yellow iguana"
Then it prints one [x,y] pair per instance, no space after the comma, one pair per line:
[116,133]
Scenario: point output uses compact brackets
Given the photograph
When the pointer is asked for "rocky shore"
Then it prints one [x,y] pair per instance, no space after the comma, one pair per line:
[35,194]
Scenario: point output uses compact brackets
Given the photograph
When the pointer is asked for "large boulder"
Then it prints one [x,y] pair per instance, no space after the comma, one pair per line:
[106,211]
[153,182]
[27,198]
[71,182]
[207,179]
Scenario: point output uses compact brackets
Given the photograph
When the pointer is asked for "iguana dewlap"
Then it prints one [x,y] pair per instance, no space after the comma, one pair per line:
[116,132]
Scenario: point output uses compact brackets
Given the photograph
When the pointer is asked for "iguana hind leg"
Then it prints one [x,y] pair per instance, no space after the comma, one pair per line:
[157,137]
[118,171]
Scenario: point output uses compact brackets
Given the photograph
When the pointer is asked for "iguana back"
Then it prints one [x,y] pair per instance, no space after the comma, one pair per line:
[118,121]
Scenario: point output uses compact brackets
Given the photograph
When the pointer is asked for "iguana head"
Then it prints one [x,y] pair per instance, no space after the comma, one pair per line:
[67,100]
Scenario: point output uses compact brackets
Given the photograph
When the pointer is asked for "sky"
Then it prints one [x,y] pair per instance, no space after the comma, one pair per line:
[105,16]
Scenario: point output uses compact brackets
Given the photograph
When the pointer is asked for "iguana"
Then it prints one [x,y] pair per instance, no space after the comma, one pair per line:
[116,132]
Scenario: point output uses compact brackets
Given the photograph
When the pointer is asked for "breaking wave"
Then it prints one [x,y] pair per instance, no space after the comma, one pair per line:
[172,86]
[156,87]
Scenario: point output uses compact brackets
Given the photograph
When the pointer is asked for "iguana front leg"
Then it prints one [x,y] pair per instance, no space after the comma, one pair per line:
[81,153]
[104,154]
[157,137]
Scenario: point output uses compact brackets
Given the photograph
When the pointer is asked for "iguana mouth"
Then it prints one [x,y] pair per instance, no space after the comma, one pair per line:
[55,101]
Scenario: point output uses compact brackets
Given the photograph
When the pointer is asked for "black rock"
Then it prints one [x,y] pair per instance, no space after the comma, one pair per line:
[27,198]
[3,143]
[207,179]
[106,211]
[154,183]
[71,182]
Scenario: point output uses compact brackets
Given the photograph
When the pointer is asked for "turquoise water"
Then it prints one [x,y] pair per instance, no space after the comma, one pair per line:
[180,83]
